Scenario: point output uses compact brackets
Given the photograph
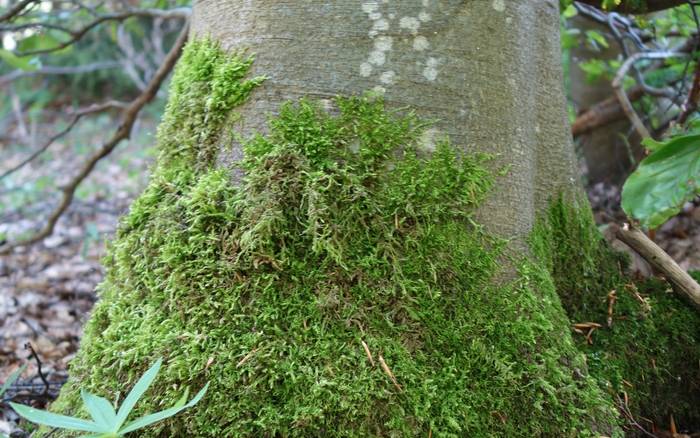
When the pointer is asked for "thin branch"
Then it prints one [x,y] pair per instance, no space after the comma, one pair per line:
[629,7]
[691,104]
[16,10]
[56,70]
[620,91]
[78,34]
[123,132]
[78,115]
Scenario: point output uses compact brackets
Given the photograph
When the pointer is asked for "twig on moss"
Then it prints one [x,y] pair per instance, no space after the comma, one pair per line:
[683,283]
[129,115]
[388,372]
[369,354]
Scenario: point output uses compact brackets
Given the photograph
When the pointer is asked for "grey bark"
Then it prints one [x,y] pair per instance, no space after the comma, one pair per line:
[485,70]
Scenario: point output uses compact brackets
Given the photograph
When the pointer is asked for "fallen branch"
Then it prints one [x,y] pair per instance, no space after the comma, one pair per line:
[123,132]
[683,283]
[602,113]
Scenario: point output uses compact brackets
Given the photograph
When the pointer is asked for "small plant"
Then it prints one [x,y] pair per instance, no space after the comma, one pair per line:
[106,422]
[10,380]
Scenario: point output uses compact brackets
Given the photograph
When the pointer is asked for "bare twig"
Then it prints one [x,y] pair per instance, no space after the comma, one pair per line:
[38,366]
[622,95]
[78,34]
[78,115]
[691,104]
[657,257]
[16,9]
[129,116]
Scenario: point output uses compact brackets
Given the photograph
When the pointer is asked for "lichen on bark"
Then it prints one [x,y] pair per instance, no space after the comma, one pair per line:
[342,234]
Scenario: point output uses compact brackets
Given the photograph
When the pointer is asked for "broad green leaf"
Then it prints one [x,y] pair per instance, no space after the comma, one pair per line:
[101,410]
[137,391]
[21,62]
[664,181]
[54,420]
[10,380]
[152,418]
[38,41]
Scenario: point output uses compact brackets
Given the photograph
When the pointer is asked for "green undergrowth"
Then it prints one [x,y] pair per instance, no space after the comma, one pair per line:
[344,258]
[648,359]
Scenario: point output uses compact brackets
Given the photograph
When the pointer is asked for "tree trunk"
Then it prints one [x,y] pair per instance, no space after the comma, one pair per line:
[485,71]
[330,277]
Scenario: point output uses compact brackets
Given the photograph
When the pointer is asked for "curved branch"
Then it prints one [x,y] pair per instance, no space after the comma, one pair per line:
[629,7]
[129,116]
[80,33]
[622,95]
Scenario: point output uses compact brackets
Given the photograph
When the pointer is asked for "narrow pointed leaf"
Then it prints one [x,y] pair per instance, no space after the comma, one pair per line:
[10,380]
[152,418]
[137,391]
[101,411]
[54,420]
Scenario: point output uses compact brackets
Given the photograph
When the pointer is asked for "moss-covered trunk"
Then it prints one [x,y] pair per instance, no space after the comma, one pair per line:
[340,272]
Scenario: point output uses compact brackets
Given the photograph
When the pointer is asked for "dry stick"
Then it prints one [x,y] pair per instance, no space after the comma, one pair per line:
[603,113]
[123,132]
[620,91]
[657,257]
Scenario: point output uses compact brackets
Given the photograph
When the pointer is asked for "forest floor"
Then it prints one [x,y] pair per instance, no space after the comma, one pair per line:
[47,290]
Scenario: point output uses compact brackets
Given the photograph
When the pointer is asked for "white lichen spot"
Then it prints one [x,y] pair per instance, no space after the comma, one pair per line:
[392,16]
[387,77]
[537,129]
[424,16]
[509,20]
[426,3]
[383,43]
[375,15]
[373,33]
[379,90]
[377,57]
[381,25]
[369,7]
[365,69]
[428,141]
[420,43]
[499,5]
[410,23]
[430,71]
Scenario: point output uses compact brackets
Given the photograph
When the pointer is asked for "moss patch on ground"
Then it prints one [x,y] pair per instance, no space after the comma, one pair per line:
[342,234]
[648,359]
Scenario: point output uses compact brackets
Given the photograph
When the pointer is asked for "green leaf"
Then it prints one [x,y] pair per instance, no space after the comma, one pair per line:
[54,420]
[152,418]
[21,62]
[10,380]
[101,410]
[137,391]
[597,37]
[664,181]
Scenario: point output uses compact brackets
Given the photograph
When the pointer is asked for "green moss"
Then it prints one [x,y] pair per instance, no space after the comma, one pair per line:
[651,352]
[341,232]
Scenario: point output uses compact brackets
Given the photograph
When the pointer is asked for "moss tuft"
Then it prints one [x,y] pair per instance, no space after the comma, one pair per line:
[341,232]
[650,354]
